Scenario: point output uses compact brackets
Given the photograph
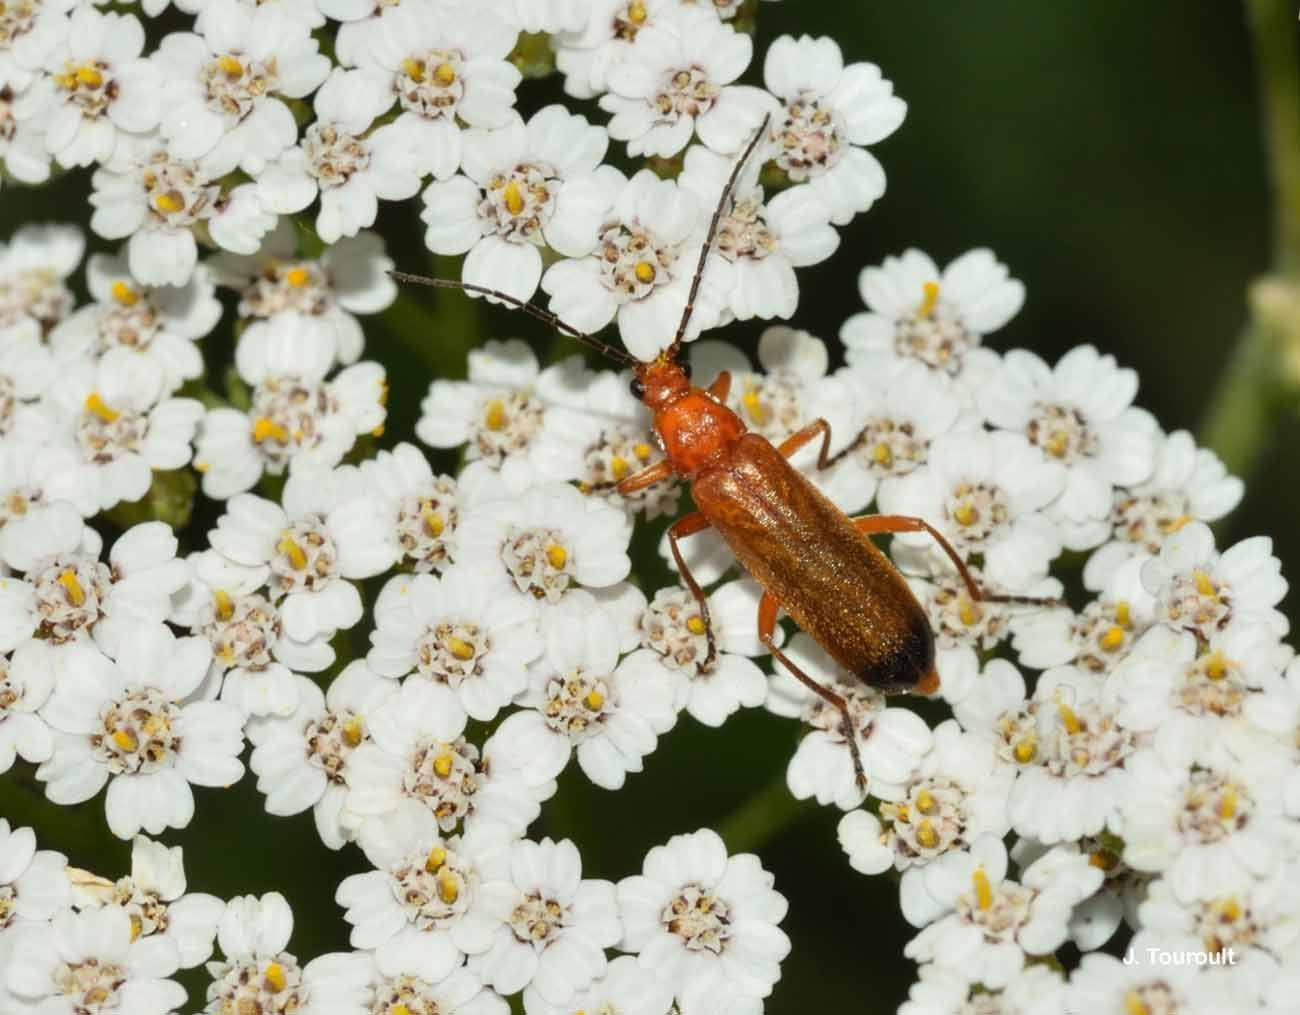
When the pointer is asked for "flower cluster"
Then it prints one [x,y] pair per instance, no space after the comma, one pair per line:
[1129,758]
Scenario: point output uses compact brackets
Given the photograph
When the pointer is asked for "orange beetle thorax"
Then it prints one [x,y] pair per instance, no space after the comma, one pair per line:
[696,429]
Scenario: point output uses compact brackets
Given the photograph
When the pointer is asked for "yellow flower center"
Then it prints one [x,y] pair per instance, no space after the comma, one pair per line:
[460,649]
[124,294]
[983,890]
[514,198]
[557,555]
[275,978]
[225,606]
[645,272]
[297,558]
[96,407]
[445,74]
[76,594]
[265,429]
[929,299]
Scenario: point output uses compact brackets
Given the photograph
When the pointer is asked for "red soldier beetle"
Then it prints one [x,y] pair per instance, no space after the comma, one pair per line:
[812,560]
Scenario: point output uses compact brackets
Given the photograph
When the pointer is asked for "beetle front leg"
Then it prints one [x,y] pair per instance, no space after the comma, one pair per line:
[689,525]
[805,435]
[647,477]
[767,610]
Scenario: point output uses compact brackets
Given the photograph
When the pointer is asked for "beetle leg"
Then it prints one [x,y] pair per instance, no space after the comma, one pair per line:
[685,526]
[806,435]
[767,607]
[648,476]
[721,386]
[879,524]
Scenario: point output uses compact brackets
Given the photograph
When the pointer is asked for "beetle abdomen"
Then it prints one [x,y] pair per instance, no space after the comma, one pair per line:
[830,578]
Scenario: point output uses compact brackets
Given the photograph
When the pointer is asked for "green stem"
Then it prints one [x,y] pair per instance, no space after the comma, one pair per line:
[1252,389]
[762,817]
[1277,52]
[1239,422]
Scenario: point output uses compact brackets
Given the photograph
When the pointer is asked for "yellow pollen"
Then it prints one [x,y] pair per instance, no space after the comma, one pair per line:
[275,978]
[137,925]
[901,813]
[931,297]
[297,277]
[1204,585]
[1112,639]
[76,594]
[925,802]
[447,890]
[644,271]
[414,69]
[696,625]
[968,611]
[437,857]
[753,406]
[432,521]
[169,203]
[399,1009]
[230,67]
[297,558]
[557,556]
[1229,909]
[94,997]
[881,454]
[983,890]
[1216,667]
[225,606]
[96,407]
[353,731]
[443,763]
[125,739]
[1174,524]
[642,452]
[1134,1005]
[1103,859]
[926,835]
[1122,614]
[154,725]
[124,294]
[88,75]
[1025,750]
[495,419]
[1057,444]
[619,467]
[226,654]
[594,700]
[1228,805]
[265,428]
[1068,718]
[445,74]
[636,13]
[965,515]
[460,649]
[514,198]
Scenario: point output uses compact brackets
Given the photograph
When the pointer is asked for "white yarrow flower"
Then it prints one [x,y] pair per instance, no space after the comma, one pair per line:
[705,922]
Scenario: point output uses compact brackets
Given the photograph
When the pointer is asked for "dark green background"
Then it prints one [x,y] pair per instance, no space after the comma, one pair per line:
[1108,151]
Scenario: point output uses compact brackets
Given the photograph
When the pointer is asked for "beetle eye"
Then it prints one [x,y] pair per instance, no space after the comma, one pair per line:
[686,369]
[638,389]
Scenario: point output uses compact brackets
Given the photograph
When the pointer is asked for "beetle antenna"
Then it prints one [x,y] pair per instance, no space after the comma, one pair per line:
[545,316]
[727,189]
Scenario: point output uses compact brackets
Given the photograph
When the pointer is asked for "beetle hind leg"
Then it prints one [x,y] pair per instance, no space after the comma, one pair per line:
[767,609]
